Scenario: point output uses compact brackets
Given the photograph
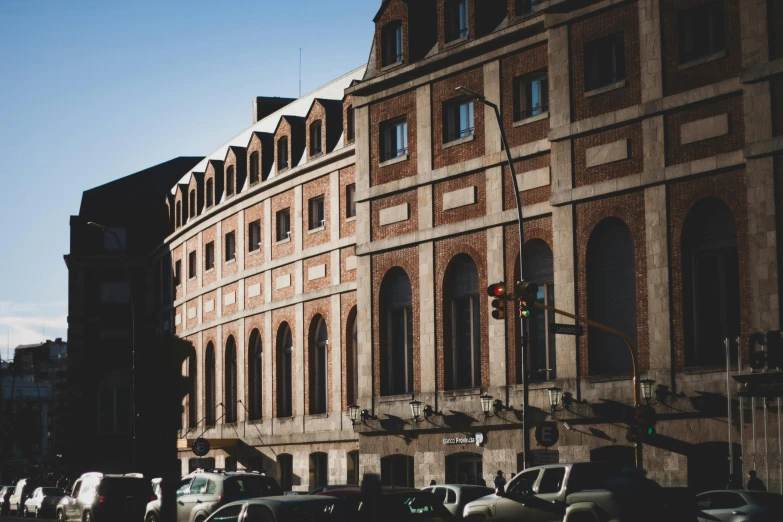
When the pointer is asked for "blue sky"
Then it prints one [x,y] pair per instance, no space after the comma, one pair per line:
[95,90]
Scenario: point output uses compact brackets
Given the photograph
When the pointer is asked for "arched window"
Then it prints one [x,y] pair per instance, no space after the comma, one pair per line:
[319,340]
[285,347]
[611,296]
[285,463]
[396,333]
[230,181]
[255,376]
[352,460]
[538,267]
[350,124]
[391,43]
[178,213]
[397,470]
[319,470]
[210,192]
[351,360]
[710,282]
[230,373]
[192,204]
[282,153]
[209,385]
[191,372]
[464,468]
[462,314]
[255,173]
[315,138]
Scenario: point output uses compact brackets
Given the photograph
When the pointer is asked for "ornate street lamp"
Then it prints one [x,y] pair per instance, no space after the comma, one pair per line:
[353,413]
[555,394]
[416,410]
[486,404]
[648,389]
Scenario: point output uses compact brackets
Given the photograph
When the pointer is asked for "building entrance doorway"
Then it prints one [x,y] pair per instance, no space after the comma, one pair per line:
[465,468]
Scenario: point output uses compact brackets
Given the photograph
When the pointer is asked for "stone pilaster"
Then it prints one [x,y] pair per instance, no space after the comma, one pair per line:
[335,342]
[427,316]
[492,142]
[753,28]
[650,49]
[268,362]
[496,329]
[297,221]
[268,231]
[423,129]
[299,397]
[565,296]
[656,224]
[559,77]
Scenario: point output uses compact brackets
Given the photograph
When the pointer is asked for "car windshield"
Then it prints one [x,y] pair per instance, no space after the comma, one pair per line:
[53,491]
[250,487]
[769,500]
[126,486]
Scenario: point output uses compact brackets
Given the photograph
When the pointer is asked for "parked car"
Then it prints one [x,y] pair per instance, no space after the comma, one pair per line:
[287,508]
[456,496]
[396,505]
[96,497]
[749,506]
[5,494]
[24,488]
[330,487]
[204,492]
[152,513]
[42,502]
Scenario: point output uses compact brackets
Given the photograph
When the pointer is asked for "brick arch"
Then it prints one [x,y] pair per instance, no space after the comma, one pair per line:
[628,208]
[313,310]
[206,344]
[279,319]
[349,318]
[254,332]
[731,189]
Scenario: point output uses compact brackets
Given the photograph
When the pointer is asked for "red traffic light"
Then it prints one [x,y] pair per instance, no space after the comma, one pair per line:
[497,290]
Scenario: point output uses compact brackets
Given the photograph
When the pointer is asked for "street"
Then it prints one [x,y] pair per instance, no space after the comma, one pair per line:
[8,518]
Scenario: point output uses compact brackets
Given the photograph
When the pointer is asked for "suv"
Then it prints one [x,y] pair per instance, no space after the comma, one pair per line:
[24,488]
[202,492]
[96,497]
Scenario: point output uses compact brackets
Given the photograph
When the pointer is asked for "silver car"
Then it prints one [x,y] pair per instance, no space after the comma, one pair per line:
[42,502]
[736,505]
[286,508]
[456,496]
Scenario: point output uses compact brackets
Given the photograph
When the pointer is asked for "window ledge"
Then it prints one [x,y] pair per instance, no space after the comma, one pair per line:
[231,261]
[314,416]
[316,155]
[461,393]
[392,66]
[352,218]
[191,279]
[692,370]
[177,287]
[704,59]
[316,230]
[285,419]
[282,169]
[460,141]
[456,41]
[606,88]
[394,398]
[531,119]
[254,252]
[348,142]
[208,270]
[392,161]
[283,241]
[612,377]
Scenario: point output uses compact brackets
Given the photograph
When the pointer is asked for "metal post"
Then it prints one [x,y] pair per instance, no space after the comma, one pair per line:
[741,420]
[728,401]
[753,431]
[780,451]
[766,443]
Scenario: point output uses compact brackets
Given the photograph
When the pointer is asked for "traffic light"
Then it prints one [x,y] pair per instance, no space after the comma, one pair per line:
[498,291]
[642,424]
[526,293]
[774,350]
[758,357]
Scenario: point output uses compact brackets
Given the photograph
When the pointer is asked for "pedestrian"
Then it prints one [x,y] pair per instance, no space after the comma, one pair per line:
[513,474]
[432,482]
[755,483]
[500,484]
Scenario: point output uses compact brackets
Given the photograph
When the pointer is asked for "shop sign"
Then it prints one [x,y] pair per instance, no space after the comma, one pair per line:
[477,438]
[200,447]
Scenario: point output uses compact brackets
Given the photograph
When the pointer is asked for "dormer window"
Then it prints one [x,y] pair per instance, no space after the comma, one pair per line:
[456,20]
[178,213]
[391,43]
[210,191]
[315,138]
[350,124]
[230,181]
[255,174]
[192,204]
[282,153]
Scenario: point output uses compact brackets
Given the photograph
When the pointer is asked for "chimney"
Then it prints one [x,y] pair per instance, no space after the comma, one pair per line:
[263,106]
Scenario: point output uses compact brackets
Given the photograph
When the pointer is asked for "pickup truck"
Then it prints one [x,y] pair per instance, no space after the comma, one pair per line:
[552,493]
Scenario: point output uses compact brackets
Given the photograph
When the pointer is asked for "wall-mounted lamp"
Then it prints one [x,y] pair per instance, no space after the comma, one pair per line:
[555,394]
[416,410]
[648,390]
[486,404]
[353,413]
[367,416]
[429,411]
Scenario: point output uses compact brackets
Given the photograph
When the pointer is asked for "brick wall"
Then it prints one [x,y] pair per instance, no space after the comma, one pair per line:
[398,106]
[526,197]
[258,300]
[633,165]
[623,19]
[347,313]
[209,316]
[630,209]
[284,130]
[228,225]
[347,102]
[179,310]
[236,157]
[347,177]
[312,311]
[676,80]
[255,325]
[283,293]
[191,305]
[254,213]
[511,67]
[442,24]
[395,229]
[280,202]
[734,140]
[408,260]
[215,173]
[474,245]
[283,315]
[254,145]
[318,187]
[444,91]
[731,188]
[396,10]
[345,274]
[226,290]
[210,236]
[315,284]
[477,181]
[180,204]
[178,255]
[191,245]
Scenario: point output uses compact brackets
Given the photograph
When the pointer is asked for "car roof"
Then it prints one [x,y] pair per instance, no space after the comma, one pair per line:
[287,499]
[459,486]
[356,490]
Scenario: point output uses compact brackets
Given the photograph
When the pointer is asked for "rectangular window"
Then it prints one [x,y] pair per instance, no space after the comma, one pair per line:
[315,138]
[229,181]
[456,20]
[114,410]
[231,251]
[210,191]
[316,209]
[391,43]
[254,236]
[115,292]
[394,139]
[701,31]
[209,256]
[531,95]
[457,120]
[604,61]
[178,273]
[192,265]
[350,124]
[350,200]
[282,153]
[255,175]
[283,224]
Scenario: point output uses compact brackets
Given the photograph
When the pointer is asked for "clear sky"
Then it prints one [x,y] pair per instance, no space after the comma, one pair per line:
[91,91]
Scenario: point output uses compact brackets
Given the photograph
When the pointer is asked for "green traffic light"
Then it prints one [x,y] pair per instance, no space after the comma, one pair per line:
[650,431]
[525,313]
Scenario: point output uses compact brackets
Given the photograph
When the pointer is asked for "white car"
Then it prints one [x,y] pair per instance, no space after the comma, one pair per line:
[735,505]
[42,502]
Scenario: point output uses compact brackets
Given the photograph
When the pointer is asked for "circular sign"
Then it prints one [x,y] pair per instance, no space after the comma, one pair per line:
[547,434]
[200,447]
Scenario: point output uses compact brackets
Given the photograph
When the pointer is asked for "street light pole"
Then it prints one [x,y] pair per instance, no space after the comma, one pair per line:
[128,278]
[523,325]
